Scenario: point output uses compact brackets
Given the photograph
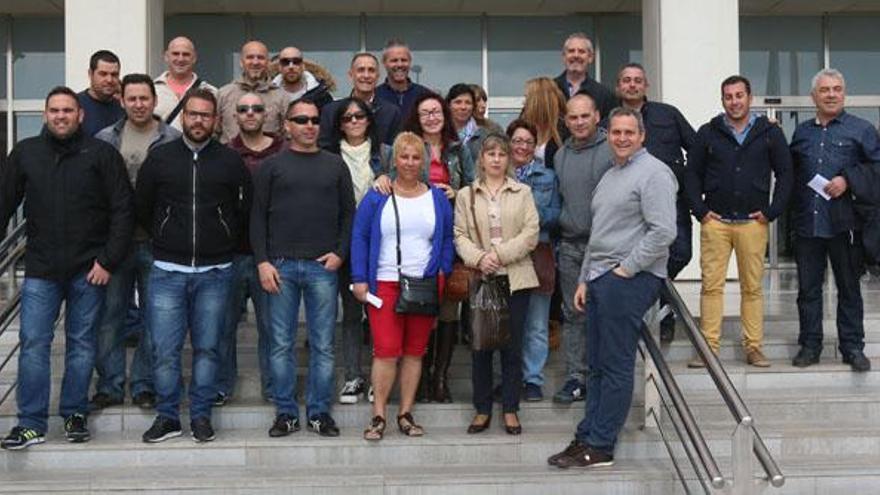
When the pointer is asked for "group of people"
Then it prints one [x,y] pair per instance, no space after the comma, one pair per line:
[195,198]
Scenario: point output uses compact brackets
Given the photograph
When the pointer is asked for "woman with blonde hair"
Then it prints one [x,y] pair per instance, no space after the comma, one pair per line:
[545,108]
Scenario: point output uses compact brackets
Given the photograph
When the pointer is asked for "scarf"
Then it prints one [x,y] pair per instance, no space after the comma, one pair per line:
[358,160]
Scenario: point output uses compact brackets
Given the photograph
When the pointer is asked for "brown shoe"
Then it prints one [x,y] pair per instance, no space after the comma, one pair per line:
[756,358]
[696,363]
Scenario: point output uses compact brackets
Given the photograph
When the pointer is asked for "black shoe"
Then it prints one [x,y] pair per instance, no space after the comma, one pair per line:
[76,428]
[857,361]
[588,457]
[163,428]
[532,393]
[323,425]
[220,399]
[479,427]
[574,449]
[572,391]
[202,431]
[805,357]
[144,400]
[284,425]
[21,437]
[101,401]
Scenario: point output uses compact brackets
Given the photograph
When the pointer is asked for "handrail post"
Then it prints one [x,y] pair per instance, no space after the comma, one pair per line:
[743,444]
[652,394]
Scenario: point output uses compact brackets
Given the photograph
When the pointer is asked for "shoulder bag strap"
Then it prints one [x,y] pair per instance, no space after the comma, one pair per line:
[473,192]
[397,227]
[173,115]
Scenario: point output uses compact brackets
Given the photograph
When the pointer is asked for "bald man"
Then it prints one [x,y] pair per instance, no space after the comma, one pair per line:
[180,58]
[254,61]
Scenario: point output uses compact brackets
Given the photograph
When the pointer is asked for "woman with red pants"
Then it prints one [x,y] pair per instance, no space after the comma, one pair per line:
[416,217]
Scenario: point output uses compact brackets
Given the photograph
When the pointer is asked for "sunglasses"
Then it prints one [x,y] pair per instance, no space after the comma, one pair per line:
[304,119]
[353,117]
[257,108]
[284,62]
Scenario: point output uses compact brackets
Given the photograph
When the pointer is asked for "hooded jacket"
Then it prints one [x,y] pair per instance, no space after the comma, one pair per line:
[316,90]
[579,167]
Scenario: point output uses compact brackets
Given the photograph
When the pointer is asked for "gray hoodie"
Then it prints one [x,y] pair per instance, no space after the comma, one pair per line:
[579,168]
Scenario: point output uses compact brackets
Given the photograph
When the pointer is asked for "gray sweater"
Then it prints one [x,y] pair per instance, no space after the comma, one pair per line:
[579,168]
[633,218]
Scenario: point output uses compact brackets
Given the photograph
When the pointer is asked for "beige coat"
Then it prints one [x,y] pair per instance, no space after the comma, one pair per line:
[275,99]
[519,229]
[167,100]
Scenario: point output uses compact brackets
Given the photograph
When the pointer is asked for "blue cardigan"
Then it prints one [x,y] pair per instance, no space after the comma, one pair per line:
[366,237]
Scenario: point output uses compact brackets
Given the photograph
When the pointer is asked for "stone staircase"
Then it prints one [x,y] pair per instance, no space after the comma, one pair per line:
[822,425]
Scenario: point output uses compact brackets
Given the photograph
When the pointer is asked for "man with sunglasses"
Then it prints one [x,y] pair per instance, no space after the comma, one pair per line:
[297,81]
[254,146]
[254,61]
[300,233]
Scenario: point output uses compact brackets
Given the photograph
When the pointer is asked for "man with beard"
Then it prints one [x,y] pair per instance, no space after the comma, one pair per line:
[398,88]
[298,82]
[171,85]
[78,205]
[192,195]
[99,102]
[577,55]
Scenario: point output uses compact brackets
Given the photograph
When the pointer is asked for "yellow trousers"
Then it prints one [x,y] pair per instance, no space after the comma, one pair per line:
[749,241]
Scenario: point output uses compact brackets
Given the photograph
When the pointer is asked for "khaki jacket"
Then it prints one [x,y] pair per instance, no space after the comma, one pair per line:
[167,100]
[275,99]
[519,229]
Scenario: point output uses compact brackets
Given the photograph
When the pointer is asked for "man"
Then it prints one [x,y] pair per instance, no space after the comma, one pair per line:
[364,73]
[254,146]
[827,149]
[298,82]
[398,89]
[78,205]
[254,78]
[297,257]
[728,184]
[133,136]
[633,226]
[100,102]
[667,133]
[580,164]
[192,194]
[171,85]
[577,56]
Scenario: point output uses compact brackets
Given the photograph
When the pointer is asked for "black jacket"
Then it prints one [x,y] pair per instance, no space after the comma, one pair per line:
[605,99]
[320,95]
[387,121]
[78,204]
[194,205]
[734,178]
[863,181]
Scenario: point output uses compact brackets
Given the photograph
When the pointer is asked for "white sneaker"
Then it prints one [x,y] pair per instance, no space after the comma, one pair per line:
[352,391]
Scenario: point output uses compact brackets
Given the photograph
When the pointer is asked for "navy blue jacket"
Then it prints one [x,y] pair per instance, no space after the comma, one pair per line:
[387,117]
[605,100]
[734,178]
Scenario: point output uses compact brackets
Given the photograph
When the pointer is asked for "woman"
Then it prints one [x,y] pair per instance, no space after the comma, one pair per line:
[545,108]
[496,229]
[462,103]
[354,138]
[530,170]
[426,250]
[480,109]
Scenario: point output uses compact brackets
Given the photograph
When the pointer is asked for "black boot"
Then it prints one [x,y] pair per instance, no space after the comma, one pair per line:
[446,337]
[423,394]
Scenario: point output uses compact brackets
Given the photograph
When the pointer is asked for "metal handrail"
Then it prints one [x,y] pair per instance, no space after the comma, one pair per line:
[723,383]
[16,233]
[12,249]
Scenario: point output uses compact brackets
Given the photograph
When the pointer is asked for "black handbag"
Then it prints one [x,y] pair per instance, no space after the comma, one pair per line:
[418,296]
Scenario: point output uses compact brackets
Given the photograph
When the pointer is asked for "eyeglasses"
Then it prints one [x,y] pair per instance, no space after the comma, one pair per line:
[284,62]
[198,115]
[257,108]
[522,142]
[353,117]
[304,119]
[430,113]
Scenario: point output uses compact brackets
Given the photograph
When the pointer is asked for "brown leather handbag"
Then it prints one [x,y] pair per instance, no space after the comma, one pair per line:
[545,267]
[458,283]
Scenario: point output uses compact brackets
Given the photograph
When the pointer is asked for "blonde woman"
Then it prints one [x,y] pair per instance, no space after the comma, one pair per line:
[545,108]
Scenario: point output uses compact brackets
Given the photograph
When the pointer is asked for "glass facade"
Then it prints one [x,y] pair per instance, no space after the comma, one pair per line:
[38,56]
[620,41]
[780,55]
[217,55]
[855,51]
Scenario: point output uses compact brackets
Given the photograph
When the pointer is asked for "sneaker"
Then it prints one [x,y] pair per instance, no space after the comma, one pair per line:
[572,391]
[220,400]
[352,391]
[857,361]
[696,363]
[532,393]
[756,358]
[76,428]
[284,425]
[102,401]
[323,425]
[588,457]
[371,397]
[202,431]
[805,357]
[21,438]
[574,449]
[144,400]
[163,428]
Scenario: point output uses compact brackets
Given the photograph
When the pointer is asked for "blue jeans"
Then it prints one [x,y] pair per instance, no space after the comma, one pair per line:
[535,338]
[176,301]
[307,280]
[245,283]
[615,308]
[40,304]
[110,360]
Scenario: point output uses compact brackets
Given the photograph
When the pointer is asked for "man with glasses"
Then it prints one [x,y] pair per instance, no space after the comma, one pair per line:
[297,257]
[193,196]
[297,81]
[171,85]
[254,146]
[364,74]
[254,61]
[398,88]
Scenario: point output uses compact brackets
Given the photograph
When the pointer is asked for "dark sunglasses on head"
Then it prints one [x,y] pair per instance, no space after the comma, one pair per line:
[284,62]
[258,108]
[304,119]
[352,117]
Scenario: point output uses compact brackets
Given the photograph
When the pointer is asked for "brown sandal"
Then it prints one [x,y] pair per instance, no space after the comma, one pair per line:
[408,426]
[376,430]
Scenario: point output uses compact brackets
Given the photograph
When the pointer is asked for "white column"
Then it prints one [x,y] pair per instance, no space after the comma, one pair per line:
[690,46]
[132,29]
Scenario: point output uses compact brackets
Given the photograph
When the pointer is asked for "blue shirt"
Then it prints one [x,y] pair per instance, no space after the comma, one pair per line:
[741,136]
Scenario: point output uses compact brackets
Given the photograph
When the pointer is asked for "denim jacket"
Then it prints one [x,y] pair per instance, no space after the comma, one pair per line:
[545,191]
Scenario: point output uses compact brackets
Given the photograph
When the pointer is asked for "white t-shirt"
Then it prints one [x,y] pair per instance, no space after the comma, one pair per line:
[416,232]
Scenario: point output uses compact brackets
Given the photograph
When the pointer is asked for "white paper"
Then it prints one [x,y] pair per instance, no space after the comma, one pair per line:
[371,298]
[818,183]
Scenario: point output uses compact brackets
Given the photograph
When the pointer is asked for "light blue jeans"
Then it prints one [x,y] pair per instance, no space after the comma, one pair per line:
[535,338]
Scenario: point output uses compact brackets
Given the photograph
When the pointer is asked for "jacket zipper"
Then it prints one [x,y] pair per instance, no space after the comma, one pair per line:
[195,162]
[165,220]
[223,222]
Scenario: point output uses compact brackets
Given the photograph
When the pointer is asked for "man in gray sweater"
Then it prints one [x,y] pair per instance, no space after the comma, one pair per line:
[579,164]
[633,225]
